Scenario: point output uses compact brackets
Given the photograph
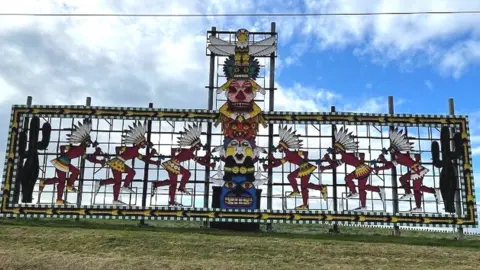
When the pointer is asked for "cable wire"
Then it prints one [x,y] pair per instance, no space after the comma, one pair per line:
[242,14]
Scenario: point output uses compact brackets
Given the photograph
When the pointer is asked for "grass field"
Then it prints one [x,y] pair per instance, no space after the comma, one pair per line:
[92,244]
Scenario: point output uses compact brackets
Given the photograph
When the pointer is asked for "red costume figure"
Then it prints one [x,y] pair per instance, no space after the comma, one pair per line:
[63,164]
[134,136]
[290,140]
[344,142]
[191,139]
[399,143]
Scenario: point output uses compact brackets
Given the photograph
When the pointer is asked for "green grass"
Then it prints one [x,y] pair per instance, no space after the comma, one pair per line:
[116,244]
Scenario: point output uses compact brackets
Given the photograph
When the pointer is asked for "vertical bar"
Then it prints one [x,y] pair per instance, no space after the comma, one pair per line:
[211,89]
[334,173]
[271,107]
[147,166]
[88,103]
[458,198]
[334,170]
[396,229]
[211,75]
[16,190]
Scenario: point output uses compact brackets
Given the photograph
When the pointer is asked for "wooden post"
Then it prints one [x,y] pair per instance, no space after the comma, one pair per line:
[271,104]
[458,198]
[147,166]
[335,228]
[88,103]
[396,228]
[211,90]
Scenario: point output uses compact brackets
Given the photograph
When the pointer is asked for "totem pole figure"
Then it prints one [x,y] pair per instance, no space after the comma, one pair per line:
[400,149]
[290,140]
[189,143]
[238,180]
[79,140]
[344,145]
[448,173]
[240,118]
[29,170]
[134,136]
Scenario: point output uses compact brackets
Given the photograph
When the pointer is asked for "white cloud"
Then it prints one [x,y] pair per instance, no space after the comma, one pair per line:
[301,98]
[305,98]
[457,59]
[429,84]
[447,41]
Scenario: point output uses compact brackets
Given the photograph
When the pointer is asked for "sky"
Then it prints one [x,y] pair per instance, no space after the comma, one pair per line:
[354,63]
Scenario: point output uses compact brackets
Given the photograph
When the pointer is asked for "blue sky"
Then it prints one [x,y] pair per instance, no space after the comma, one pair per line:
[351,62]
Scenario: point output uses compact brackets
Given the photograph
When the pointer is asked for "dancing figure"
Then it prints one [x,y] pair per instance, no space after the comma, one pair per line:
[400,149]
[189,144]
[345,145]
[134,136]
[79,140]
[290,140]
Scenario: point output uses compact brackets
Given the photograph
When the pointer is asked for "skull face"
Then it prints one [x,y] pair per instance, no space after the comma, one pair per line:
[240,95]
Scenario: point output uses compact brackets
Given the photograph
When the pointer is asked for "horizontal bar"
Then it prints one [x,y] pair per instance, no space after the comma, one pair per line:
[212,214]
[211,115]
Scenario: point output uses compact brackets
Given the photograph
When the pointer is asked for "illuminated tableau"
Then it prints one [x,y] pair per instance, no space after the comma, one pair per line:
[152,163]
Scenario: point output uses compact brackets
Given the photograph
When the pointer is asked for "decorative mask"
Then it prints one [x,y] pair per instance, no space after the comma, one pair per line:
[239,149]
[238,193]
[240,95]
[246,129]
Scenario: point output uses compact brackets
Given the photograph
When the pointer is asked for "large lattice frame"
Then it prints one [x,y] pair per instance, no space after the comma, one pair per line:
[467,219]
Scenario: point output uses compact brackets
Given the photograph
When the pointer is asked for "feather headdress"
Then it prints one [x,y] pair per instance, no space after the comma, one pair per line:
[81,132]
[344,140]
[399,141]
[135,134]
[288,138]
[191,136]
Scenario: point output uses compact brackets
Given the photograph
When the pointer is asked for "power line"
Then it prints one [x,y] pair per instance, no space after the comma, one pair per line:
[241,14]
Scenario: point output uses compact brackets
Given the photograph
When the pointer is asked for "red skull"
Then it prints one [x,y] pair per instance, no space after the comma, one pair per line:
[240,95]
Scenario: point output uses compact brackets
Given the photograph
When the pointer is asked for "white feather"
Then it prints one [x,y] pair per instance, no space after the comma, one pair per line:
[399,140]
[346,139]
[191,134]
[81,132]
[288,136]
[134,133]
[260,179]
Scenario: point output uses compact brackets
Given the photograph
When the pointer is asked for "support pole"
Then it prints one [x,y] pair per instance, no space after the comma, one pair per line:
[211,89]
[458,198]
[335,228]
[16,190]
[88,103]
[271,107]
[396,228]
[147,166]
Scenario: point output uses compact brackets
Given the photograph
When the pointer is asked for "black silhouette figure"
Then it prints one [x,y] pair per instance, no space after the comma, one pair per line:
[29,169]
[448,173]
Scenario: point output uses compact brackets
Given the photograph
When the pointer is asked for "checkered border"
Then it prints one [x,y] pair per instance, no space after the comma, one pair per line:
[222,215]
[11,157]
[243,215]
[468,169]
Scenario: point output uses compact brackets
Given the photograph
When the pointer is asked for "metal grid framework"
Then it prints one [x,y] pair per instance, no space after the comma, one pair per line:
[370,129]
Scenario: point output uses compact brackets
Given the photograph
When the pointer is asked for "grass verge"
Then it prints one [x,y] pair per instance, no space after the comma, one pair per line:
[92,244]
